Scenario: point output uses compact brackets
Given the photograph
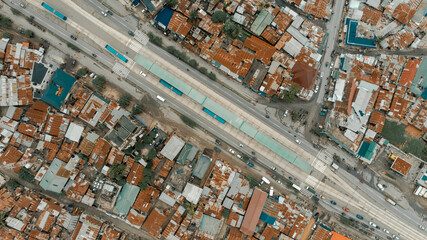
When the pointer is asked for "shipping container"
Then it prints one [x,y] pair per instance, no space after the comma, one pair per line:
[264,179]
[296,187]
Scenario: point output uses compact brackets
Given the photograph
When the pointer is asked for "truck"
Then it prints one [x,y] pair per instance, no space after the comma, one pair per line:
[390,201]
[335,166]
[264,180]
[296,187]
[310,190]
[418,190]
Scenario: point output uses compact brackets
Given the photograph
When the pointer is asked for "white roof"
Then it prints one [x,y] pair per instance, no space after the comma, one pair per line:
[15,223]
[339,90]
[298,35]
[374,3]
[74,132]
[350,135]
[362,100]
[192,193]
[293,47]
[172,147]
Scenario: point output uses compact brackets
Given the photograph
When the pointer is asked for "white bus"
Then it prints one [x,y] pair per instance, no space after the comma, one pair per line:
[296,187]
[160,98]
[390,201]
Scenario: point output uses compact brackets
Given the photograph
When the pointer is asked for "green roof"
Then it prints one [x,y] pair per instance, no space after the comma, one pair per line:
[144,62]
[182,157]
[114,137]
[248,129]
[210,224]
[197,96]
[261,22]
[53,94]
[367,150]
[201,166]
[422,72]
[126,199]
[126,123]
[52,182]
[170,78]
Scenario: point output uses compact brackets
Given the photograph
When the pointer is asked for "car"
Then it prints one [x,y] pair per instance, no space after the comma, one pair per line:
[104,13]
[271,191]
[364,225]
[422,227]
[73,37]
[267,116]
[286,113]
[217,141]
[359,217]
[241,145]
[22,5]
[316,89]
[273,168]
[94,55]
[380,186]
[231,151]
[278,181]
[322,114]
[250,164]
[131,33]
[333,203]
[109,12]
[217,149]
[74,62]
[324,106]
[92,75]
[298,141]
[372,224]
[239,156]
[387,231]
[142,74]
[345,209]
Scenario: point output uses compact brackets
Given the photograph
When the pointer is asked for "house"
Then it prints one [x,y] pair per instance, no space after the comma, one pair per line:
[56,177]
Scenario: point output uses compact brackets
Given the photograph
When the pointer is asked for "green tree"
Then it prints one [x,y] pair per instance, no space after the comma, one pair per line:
[172,50]
[188,121]
[212,76]
[138,146]
[155,39]
[245,157]
[116,173]
[30,19]
[138,157]
[12,184]
[73,47]
[225,213]
[147,139]
[5,22]
[219,17]
[144,183]
[252,181]
[147,172]
[124,100]
[81,72]
[128,150]
[3,217]
[170,3]
[99,82]
[275,98]
[151,154]
[7,35]
[15,11]
[193,15]
[203,70]
[193,63]
[190,207]
[26,175]
[84,157]
[231,29]
[290,95]
[137,109]
[28,33]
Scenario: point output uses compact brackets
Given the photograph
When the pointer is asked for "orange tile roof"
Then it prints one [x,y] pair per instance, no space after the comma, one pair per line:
[270,34]
[270,232]
[11,155]
[17,114]
[209,47]
[272,83]
[77,189]
[170,229]
[81,95]
[167,166]
[371,15]
[86,147]
[263,50]
[154,222]
[282,20]
[398,107]
[409,72]
[142,202]
[27,129]
[337,236]
[179,24]
[38,113]
[6,200]
[384,100]
[45,221]
[317,8]
[115,156]
[67,149]
[38,235]
[110,234]
[234,234]
[135,218]
[52,149]
[401,166]
[56,125]
[236,60]
[377,120]
[420,120]
[210,27]
[100,153]
[403,13]
[135,175]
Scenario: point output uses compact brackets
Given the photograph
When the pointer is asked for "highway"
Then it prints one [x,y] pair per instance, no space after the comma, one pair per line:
[174,104]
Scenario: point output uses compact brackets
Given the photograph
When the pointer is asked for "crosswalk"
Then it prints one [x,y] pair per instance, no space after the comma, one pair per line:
[134,45]
[141,37]
[121,70]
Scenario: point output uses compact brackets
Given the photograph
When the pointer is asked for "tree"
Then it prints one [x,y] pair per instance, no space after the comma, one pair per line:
[188,121]
[231,29]
[81,72]
[275,98]
[12,184]
[225,213]
[219,17]
[252,181]
[26,175]
[193,63]
[137,109]
[73,47]
[170,3]
[84,157]
[99,82]
[203,70]
[144,183]
[124,100]
[194,15]
[138,146]
[245,157]
[28,33]
[7,35]
[155,39]
[147,172]
[116,173]
[151,154]
[15,11]
[190,207]
[147,139]
[172,50]
[3,217]
[128,150]
[290,95]
[5,22]
[212,76]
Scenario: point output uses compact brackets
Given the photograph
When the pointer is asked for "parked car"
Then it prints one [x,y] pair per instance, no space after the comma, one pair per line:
[143,74]
[104,13]
[73,37]
[231,151]
[286,113]
[333,203]
[298,141]
[131,33]
[239,156]
[387,231]
[346,209]
[217,141]
[273,168]
[250,164]
[278,181]
[380,186]
[372,224]
[109,12]
[322,114]
[359,217]
[241,145]
[217,149]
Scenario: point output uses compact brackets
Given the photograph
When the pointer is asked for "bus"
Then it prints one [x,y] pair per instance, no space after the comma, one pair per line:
[390,201]
[296,187]
[160,98]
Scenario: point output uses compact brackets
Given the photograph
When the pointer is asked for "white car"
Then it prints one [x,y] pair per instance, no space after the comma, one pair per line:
[316,89]
[286,113]
[298,141]
[380,186]
[387,231]
[271,191]
[241,145]
[231,150]
[278,181]
[239,156]
[104,13]
[372,224]
[143,74]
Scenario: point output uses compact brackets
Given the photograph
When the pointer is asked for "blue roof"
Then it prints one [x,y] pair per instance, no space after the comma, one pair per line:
[354,41]
[267,218]
[164,16]
[367,149]
[417,88]
[149,5]
[126,199]
[54,95]
[201,166]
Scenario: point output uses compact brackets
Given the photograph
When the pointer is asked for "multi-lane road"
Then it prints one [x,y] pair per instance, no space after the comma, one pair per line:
[109,62]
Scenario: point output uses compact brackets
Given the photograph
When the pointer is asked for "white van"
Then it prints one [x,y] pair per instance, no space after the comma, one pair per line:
[160,98]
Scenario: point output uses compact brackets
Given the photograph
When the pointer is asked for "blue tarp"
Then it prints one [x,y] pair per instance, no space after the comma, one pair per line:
[164,16]
[58,88]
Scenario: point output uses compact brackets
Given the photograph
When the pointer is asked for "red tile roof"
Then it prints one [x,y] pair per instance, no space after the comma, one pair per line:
[401,166]
[371,15]
[100,153]
[77,189]
[11,155]
[304,75]
[254,211]
[142,202]
[236,60]
[398,107]
[377,120]
[135,218]
[263,50]
[179,24]
[154,222]
[135,175]
[317,8]
[409,72]
[110,234]
[403,13]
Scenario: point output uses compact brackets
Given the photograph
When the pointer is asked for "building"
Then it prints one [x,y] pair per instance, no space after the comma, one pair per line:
[154,222]
[401,166]
[201,167]
[253,212]
[126,199]
[58,89]
[56,177]
[172,148]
